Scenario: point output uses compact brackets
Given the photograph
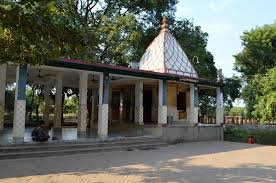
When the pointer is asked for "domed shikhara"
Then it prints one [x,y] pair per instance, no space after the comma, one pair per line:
[165,55]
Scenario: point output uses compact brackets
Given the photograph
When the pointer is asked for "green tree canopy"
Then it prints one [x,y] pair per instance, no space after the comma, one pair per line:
[265,85]
[259,51]
[120,26]
[34,31]
[258,55]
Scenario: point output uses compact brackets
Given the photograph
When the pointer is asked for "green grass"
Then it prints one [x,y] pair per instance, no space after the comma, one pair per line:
[265,137]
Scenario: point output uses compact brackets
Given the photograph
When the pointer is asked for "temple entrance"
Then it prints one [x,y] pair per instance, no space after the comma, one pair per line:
[115,105]
[147,101]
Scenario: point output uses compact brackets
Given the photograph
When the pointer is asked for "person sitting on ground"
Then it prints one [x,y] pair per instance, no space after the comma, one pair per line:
[39,134]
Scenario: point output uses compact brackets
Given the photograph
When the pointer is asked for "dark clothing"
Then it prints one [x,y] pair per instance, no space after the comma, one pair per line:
[39,134]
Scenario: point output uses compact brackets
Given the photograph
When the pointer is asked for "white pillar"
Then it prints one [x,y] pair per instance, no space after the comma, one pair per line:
[47,99]
[139,109]
[162,102]
[103,105]
[20,103]
[219,107]
[193,108]
[3,71]
[58,101]
[83,102]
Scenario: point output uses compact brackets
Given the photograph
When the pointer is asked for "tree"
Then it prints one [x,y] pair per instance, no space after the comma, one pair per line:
[236,111]
[257,56]
[121,27]
[231,90]
[31,32]
[265,107]
[71,104]
[259,52]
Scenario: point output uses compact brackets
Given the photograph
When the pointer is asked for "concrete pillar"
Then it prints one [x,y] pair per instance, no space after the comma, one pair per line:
[93,101]
[103,105]
[131,105]
[219,107]
[83,102]
[3,72]
[139,109]
[58,101]
[20,103]
[47,100]
[121,117]
[193,101]
[110,103]
[162,102]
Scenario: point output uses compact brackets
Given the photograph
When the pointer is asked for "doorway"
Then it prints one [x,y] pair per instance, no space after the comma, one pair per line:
[147,101]
[115,105]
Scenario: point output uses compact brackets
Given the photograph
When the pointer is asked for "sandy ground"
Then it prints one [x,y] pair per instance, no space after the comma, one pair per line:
[205,162]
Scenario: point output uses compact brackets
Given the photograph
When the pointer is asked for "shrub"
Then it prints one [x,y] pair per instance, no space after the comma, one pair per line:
[265,137]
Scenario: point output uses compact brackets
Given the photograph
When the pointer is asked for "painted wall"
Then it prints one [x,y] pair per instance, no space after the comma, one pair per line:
[172,101]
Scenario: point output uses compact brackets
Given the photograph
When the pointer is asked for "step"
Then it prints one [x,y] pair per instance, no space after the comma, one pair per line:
[85,141]
[81,145]
[37,154]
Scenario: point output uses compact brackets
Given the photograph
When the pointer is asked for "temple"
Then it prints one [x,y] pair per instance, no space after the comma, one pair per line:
[161,91]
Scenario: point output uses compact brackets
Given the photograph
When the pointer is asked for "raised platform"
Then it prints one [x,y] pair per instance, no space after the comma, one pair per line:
[186,132]
[69,134]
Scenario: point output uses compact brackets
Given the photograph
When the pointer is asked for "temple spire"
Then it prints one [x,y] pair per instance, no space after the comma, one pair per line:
[164,25]
[165,55]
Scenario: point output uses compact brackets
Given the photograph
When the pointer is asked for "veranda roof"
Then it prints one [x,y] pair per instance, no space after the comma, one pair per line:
[126,71]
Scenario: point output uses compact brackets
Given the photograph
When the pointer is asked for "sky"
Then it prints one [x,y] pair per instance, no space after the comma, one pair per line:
[225,21]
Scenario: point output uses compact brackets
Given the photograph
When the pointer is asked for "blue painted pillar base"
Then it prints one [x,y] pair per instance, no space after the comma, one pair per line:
[20,104]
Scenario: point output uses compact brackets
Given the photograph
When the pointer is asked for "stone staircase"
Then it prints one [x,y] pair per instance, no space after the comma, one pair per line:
[78,147]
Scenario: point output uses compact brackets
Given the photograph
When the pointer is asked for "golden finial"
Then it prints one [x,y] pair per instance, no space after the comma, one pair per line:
[164,23]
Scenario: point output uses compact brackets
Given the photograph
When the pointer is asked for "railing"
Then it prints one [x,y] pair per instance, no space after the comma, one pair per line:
[239,120]
[207,120]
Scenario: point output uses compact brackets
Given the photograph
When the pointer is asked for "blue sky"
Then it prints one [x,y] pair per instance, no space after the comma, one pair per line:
[225,21]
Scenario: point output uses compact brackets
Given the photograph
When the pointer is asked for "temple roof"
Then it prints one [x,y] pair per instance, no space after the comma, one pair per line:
[165,55]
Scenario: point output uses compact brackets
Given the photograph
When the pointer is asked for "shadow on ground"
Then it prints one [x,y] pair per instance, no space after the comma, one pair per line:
[188,162]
